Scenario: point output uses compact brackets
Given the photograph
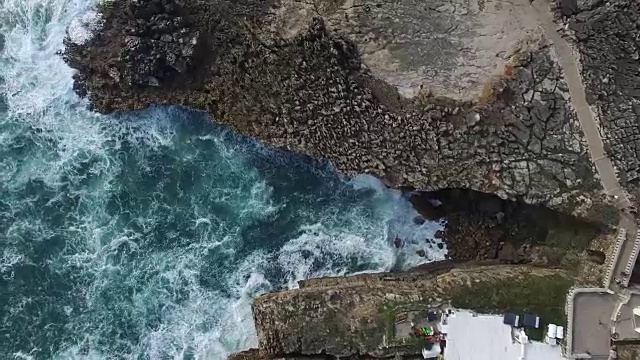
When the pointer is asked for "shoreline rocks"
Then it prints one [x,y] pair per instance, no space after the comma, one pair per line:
[482,227]
[330,85]
[311,93]
[356,317]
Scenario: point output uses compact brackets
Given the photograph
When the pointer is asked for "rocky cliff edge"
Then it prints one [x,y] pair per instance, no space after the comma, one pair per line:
[429,95]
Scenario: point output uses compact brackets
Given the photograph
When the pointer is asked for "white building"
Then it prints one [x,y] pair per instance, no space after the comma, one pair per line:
[486,337]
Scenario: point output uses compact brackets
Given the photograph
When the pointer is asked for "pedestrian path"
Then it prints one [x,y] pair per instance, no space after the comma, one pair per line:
[588,123]
[613,259]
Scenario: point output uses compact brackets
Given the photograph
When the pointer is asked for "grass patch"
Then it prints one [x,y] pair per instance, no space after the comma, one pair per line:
[571,237]
[388,314]
[542,295]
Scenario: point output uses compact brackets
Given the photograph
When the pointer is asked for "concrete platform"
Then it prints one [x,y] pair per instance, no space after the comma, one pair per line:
[624,324]
[591,323]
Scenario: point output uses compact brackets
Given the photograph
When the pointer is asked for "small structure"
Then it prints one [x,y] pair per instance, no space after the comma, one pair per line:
[523,339]
[531,320]
[486,337]
[432,315]
[552,333]
[401,317]
[431,353]
[511,319]
[636,319]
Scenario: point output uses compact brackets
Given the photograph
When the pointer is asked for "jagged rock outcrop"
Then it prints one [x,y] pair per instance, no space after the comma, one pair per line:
[369,316]
[254,354]
[324,83]
[606,36]
[160,44]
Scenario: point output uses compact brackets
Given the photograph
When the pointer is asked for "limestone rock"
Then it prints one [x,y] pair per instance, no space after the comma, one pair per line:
[313,88]
[607,38]
[346,317]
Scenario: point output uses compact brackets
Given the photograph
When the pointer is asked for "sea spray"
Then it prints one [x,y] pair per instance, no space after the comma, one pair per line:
[148,234]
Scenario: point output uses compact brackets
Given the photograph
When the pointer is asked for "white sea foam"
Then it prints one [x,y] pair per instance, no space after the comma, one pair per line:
[82,28]
[68,147]
[10,258]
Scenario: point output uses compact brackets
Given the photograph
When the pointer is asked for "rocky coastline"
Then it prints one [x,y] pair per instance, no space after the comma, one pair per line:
[472,118]
[313,89]
[481,226]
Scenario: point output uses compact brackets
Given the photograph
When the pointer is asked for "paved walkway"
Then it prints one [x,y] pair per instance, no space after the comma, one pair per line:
[588,123]
[581,311]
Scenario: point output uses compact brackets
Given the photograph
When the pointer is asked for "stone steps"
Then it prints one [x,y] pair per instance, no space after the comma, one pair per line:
[632,259]
[613,260]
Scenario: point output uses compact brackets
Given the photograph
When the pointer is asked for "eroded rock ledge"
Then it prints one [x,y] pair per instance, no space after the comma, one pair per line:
[321,78]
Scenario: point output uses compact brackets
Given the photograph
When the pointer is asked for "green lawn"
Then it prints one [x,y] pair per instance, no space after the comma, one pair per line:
[542,295]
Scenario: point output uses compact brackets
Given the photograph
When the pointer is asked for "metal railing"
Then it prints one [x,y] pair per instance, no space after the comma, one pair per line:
[613,260]
[632,259]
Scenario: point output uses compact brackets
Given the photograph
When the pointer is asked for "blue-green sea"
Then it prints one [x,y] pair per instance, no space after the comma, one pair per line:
[145,235]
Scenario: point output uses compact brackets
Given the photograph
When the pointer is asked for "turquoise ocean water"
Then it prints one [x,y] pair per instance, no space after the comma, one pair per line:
[145,235]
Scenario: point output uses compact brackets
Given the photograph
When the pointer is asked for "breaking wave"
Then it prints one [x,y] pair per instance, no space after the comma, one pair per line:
[147,234]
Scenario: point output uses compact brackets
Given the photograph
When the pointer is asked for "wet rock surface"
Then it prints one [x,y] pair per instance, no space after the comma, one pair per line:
[160,44]
[409,108]
[309,92]
[607,38]
[482,226]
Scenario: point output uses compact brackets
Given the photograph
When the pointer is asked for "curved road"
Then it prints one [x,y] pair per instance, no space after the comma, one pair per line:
[604,166]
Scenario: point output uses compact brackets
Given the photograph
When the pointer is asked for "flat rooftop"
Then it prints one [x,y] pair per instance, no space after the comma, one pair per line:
[591,323]
[486,337]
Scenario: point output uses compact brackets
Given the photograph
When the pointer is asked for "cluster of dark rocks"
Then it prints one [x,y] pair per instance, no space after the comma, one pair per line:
[482,226]
[607,36]
[158,44]
[147,43]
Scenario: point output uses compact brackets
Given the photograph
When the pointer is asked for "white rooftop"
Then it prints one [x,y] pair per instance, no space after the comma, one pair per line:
[486,337]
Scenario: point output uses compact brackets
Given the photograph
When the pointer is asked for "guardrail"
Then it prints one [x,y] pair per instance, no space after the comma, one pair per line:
[613,260]
[632,259]
[568,310]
